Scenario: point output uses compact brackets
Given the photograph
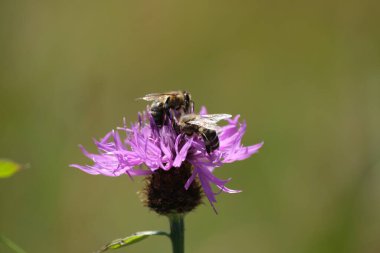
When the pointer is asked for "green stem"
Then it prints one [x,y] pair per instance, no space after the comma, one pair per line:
[13,246]
[177,232]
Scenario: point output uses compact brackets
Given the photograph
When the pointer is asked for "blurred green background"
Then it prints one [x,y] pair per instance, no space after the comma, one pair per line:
[305,75]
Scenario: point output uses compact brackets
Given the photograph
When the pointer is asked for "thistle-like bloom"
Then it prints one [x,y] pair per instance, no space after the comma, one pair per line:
[127,150]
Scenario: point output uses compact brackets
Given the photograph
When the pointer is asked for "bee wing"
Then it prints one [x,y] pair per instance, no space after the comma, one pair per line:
[215,117]
[209,121]
[156,96]
[205,124]
[153,96]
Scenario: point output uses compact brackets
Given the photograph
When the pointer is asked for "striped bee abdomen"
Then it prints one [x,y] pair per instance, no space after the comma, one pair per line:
[158,113]
[211,140]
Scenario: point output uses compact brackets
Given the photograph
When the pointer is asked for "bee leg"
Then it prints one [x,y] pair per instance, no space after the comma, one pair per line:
[167,106]
[175,123]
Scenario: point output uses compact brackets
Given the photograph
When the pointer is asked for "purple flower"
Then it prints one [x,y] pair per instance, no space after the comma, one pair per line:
[127,150]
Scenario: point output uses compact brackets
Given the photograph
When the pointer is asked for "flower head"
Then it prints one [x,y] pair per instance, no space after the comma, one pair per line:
[127,149]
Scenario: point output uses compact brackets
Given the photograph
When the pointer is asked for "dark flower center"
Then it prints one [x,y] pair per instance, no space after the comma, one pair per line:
[165,192]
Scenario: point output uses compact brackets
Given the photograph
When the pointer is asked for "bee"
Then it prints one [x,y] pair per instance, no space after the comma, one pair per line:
[162,103]
[205,126]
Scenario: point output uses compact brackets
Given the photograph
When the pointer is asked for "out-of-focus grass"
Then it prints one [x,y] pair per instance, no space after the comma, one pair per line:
[304,75]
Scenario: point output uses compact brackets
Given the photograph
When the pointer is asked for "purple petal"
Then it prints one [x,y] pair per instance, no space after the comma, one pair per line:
[241,153]
[225,189]
[85,168]
[181,155]
[203,111]
[191,179]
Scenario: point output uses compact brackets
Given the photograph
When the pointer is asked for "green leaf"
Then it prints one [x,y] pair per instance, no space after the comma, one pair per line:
[8,168]
[139,236]
[13,246]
